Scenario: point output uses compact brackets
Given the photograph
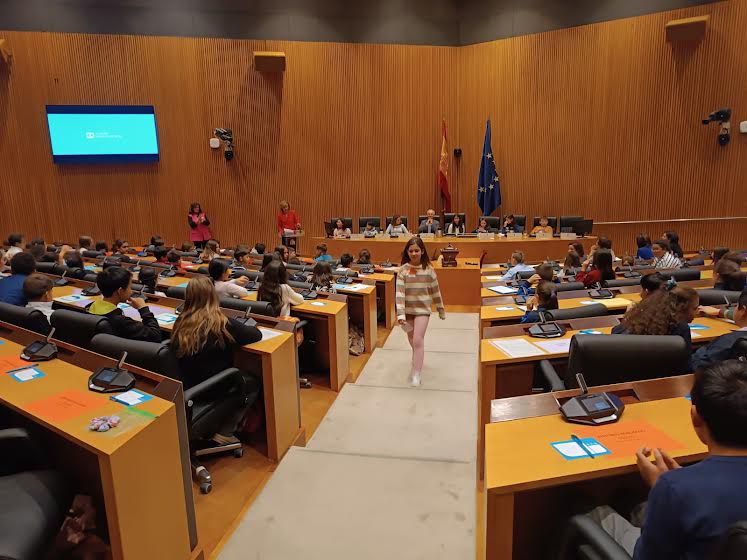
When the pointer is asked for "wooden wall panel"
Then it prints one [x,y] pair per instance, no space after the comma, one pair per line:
[604,121]
[347,129]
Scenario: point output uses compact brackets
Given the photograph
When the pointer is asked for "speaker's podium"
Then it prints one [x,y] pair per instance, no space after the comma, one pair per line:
[290,238]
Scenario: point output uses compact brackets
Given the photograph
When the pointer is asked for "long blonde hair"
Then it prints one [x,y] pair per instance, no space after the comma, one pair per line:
[210,251]
[200,320]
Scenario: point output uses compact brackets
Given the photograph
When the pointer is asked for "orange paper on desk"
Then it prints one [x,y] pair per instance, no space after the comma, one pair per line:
[66,405]
[9,363]
[625,438]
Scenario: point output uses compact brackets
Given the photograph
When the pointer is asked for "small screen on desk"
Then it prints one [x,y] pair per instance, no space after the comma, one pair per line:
[595,404]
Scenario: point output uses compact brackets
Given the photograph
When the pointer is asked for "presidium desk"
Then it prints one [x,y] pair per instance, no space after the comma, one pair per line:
[384,248]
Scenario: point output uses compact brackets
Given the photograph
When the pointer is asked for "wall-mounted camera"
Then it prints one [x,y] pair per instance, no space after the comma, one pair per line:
[225,135]
[723,118]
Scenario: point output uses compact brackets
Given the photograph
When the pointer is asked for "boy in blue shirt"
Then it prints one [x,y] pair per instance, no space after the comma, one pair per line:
[517,265]
[321,253]
[690,508]
[11,288]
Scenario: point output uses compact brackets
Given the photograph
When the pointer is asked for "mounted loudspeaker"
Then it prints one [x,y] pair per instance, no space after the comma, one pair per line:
[688,29]
[266,61]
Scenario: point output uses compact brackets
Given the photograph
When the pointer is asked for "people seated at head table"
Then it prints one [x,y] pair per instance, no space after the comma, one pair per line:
[259,249]
[370,230]
[204,341]
[430,224]
[11,287]
[37,289]
[644,251]
[483,227]
[15,245]
[674,243]
[728,275]
[396,227]
[543,227]
[211,251]
[723,347]
[517,265]
[690,508]
[321,253]
[85,243]
[115,284]
[597,269]
[341,231]
[456,226]
[220,272]
[148,278]
[322,279]
[510,225]
[666,311]
[663,257]
[346,259]
[544,299]
[275,289]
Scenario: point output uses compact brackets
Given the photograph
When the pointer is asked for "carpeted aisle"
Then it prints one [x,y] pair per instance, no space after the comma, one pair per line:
[389,473]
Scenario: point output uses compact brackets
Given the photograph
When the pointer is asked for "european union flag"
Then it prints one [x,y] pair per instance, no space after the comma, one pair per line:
[488,185]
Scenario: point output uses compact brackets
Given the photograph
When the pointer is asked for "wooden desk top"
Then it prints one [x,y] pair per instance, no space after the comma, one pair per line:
[490,312]
[490,355]
[321,307]
[60,377]
[518,454]
[265,346]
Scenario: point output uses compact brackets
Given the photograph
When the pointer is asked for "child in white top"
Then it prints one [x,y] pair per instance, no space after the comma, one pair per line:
[275,289]
[220,273]
[396,226]
[417,290]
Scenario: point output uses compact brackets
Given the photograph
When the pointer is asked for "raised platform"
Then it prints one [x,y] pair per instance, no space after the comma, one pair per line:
[384,248]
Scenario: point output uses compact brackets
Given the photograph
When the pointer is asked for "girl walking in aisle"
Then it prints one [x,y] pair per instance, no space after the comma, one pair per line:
[417,290]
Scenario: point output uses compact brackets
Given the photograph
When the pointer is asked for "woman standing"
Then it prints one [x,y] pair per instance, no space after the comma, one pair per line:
[198,223]
[288,224]
[417,290]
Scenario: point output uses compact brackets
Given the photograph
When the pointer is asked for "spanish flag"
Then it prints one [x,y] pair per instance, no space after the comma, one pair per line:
[443,171]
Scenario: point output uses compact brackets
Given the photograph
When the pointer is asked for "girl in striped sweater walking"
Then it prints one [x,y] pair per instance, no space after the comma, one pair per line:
[417,290]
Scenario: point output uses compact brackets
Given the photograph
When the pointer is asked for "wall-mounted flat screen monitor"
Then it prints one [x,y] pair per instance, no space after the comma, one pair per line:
[102,133]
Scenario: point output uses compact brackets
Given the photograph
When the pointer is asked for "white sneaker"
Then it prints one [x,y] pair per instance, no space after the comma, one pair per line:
[415,379]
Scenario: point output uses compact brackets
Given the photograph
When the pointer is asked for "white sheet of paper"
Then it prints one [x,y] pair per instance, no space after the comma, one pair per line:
[505,308]
[522,307]
[130,398]
[695,335]
[588,302]
[166,318]
[517,347]
[503,290]
[318,303]
[570,449]
[561,346]
[267,334]
[492,278]
[72,298]
[25,374]
[596,449]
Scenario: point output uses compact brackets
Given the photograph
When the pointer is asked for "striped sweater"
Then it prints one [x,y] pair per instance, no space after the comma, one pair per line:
[417,289]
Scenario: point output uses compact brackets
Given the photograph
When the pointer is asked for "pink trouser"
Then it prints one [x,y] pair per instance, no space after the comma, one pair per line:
[416,337]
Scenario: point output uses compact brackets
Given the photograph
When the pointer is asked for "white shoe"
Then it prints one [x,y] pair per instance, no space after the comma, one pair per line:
[415,379]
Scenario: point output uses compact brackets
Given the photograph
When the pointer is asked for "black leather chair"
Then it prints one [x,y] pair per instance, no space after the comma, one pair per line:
[257,307]
[91,254]
[78,327]
[585,538]
[525,274]
[619,282]
[299,285]
[208,404]
[34,498]
[176,292]
[552,221]
[25,317]
[616,358]
[494,222]
[404,221]
[449,217]
[568,221]
[569,286]
[363,220]
[347,221]
[739,350]
[45,267]
[595,310]
[682,274]
[709,296]
[698,261]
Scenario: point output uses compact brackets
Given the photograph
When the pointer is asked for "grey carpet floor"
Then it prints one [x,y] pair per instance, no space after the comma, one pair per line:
[389,473]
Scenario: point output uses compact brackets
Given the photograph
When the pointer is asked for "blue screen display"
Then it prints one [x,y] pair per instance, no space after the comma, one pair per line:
[102,133]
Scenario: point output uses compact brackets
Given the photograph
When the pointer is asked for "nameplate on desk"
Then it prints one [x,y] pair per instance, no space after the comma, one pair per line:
[541,235]
[427,236]
[513,235]
[567,235]
[356,236]
[486,236]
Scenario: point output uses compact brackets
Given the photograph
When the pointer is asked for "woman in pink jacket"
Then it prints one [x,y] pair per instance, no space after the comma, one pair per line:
[198,224]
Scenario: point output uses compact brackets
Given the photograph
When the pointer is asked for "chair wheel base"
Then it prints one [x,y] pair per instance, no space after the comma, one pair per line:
[238,452]
[206,487]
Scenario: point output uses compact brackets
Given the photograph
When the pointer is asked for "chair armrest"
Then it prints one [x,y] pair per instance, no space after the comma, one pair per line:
[194,393]
[551,376]
[582,529]
[19,452]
